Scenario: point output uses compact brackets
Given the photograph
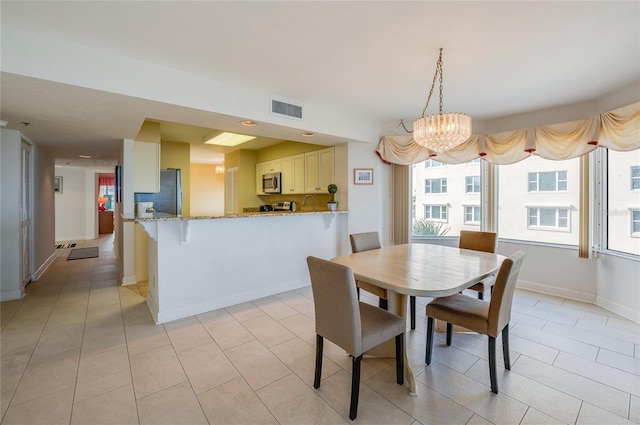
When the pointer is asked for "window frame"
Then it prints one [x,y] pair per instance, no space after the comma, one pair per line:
[555,228]
[473,184]
[557,181]
[443,184]
[635,178]
[472,222]
[443,207]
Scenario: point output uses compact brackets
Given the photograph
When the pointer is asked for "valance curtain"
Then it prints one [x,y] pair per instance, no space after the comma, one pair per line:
[616,130]
[106,180]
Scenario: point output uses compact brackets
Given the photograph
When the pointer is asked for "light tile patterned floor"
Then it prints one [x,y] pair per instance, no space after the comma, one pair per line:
[79,349]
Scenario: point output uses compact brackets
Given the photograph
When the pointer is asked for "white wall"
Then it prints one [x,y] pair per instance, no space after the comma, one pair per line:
[10,285]
[618,285]
[76,206]
[42,246]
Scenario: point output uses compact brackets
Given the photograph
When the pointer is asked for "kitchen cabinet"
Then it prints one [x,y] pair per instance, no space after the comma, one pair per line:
[319,170]
[146,171]
[274,166]
[293,174]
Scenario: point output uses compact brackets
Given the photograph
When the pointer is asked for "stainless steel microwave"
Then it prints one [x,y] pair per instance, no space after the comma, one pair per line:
[271,183]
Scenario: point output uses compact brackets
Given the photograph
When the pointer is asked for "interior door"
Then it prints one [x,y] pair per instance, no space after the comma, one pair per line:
[25,213]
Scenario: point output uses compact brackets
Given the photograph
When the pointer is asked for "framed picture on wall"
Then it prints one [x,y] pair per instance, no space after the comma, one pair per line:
[363,176]
[57,184]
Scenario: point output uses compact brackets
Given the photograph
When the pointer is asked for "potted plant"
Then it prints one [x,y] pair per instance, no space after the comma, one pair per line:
[332,204]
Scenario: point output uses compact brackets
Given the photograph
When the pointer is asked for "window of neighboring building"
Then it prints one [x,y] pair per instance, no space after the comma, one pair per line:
[472,184]
[551,218]
[430,163]
[435,186]
[472,215]
[435,212]
[635,222]
[548,181]
[635,177]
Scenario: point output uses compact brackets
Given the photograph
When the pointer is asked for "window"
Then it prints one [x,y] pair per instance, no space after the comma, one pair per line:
[430,163]
[519,210]
[472,184]
[548,181]
[635,177]
[622,201]
[552,218]
[435,212]
[472,215]
[635,222]
[435,186]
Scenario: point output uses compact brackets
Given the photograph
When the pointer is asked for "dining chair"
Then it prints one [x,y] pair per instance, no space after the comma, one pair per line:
[354,326]
[478,241]
[485,317]
[366,242]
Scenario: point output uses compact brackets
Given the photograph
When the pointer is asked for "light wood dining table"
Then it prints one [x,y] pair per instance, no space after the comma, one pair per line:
[422,270]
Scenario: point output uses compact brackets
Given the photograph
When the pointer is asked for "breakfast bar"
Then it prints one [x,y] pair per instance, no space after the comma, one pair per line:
[199,264]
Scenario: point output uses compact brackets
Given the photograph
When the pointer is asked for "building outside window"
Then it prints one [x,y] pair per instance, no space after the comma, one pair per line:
[472,184]
[435,186]
[635,177]
[435,212]
[550,218]
[430,163]
[548,181]
[472,214]
[635,223]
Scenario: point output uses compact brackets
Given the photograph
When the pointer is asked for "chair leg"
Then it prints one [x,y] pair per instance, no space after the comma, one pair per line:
[505,347]
[412,305]
[449,334]
[480,295]
[319,342]
[400,359]
[355,386]
[429,348]
[492,364]
[383,304]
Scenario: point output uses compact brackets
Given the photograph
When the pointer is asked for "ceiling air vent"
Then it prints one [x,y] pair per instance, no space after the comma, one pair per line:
[286,109]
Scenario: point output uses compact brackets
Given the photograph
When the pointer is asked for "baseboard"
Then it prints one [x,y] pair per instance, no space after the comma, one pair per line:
[12,295]
[558,292]
[620,310]
[169,315]
[44,267]
[129,280]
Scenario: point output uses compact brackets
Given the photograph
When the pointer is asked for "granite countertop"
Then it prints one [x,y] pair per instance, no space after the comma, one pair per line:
[165,217]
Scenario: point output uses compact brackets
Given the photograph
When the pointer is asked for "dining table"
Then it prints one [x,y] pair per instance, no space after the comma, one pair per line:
[421,270]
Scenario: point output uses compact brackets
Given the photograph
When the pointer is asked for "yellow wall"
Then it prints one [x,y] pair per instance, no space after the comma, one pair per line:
[245,160]
[149,132]
[178,155]
[207,190]
[284,149]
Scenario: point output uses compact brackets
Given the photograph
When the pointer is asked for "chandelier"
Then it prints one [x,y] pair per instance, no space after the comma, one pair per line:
[441,132]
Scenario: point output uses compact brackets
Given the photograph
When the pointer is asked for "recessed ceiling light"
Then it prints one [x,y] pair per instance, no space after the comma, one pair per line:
[248,123]
[229,139]
[307,134]
[85,156]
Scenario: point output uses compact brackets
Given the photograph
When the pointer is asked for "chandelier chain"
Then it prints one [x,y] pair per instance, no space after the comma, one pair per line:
[433,84]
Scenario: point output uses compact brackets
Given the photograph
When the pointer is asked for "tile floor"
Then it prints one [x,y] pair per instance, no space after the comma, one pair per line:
[79,349]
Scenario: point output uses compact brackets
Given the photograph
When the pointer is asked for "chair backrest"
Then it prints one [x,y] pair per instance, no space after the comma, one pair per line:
[479,241]
[502,295]
[337,310]
[364,241]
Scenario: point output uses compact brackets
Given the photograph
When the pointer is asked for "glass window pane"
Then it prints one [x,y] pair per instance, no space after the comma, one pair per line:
[623,201]
[536,216]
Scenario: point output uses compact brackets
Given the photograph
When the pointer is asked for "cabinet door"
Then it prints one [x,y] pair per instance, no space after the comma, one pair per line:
[311,172]
[274,166]
[325,169]
[260,170]
[287,175]
[146,171]
[298,173]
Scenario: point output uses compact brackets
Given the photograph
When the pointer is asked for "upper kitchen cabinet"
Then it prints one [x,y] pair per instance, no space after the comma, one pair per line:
[146,171]
[319,170]
[293,174]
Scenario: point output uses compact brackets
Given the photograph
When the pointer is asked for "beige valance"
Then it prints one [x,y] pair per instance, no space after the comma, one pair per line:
[617,130]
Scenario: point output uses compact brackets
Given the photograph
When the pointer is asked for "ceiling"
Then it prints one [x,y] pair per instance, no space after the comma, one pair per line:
[376,59]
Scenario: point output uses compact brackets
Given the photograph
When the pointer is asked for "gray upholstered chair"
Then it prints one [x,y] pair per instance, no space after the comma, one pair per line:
[488,318]
[365,242]
[478,241]
[354,326]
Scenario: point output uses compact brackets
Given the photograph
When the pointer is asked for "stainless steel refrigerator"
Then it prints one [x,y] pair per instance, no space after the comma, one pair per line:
[167,202]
